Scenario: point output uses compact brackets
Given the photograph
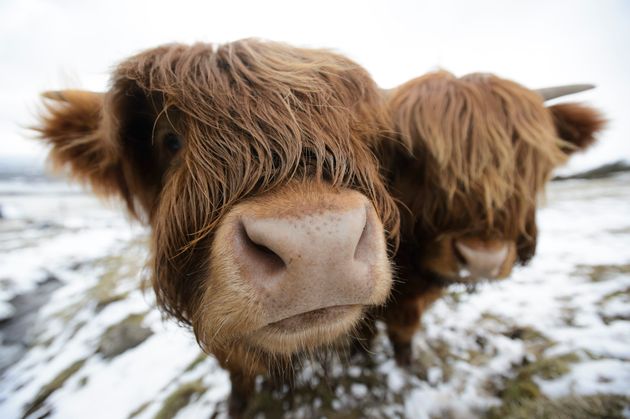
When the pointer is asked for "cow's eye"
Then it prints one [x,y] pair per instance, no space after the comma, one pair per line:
[173,142]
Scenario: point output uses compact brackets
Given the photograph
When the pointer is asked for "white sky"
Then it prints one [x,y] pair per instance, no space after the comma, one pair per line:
[51,44]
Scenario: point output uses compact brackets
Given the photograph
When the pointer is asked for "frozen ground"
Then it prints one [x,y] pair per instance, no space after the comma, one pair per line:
[80,339]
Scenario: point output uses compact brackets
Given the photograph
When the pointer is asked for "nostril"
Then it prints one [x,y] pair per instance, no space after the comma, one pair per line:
[461,259]
[259,254]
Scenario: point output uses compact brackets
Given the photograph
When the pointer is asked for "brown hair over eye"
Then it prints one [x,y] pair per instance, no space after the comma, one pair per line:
[173,142]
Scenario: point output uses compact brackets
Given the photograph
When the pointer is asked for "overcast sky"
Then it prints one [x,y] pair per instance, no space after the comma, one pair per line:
[51,44]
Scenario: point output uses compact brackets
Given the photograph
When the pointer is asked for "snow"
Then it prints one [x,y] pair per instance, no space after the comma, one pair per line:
[574,293]
[589,378]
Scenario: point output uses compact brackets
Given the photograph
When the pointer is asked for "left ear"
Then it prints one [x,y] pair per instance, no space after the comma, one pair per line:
[577,124]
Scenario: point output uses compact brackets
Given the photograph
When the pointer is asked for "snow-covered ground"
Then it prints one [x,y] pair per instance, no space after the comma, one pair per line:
[79,338]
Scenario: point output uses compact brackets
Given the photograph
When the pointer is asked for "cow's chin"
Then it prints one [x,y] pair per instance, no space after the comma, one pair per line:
[308,331]
[469,260]
[460,275]
[456,273]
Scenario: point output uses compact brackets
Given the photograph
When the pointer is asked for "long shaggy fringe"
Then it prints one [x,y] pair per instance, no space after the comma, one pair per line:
[484,148]
[255,115]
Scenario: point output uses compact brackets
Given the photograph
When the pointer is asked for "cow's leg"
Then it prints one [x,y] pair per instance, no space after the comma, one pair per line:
[243,367]
[403,319]
[243,388]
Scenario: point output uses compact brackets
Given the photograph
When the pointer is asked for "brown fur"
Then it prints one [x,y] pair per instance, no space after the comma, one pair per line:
[254,116]
[576,124]
[483,148]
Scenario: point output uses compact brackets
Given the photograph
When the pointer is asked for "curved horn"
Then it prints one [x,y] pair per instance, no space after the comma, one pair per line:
[69,95]
[549,93]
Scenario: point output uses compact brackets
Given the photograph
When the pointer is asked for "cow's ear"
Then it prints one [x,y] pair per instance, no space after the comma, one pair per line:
[80,140]
[577,124]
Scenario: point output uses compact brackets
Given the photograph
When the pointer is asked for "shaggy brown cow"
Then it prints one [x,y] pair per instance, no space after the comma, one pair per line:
[483,149]
[252,163]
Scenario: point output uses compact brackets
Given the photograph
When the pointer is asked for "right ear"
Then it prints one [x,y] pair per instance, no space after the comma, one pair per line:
[577,124]
[81,140]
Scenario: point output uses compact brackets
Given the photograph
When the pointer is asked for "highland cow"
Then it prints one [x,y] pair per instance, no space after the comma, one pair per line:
[252,162]
[479,150]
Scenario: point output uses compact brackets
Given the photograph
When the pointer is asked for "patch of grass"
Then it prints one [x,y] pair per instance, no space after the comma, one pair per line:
[55,384]
[526,333]
[109,299]
[200,358]
[487,317]
[83,381]
[618,317]
[138,410]
[623,293]
[624,296]
[518,389]
[438,354]
[601,406]
[116,268]
[567,315]
[522,390]
[179,399]
[551,368]
[45,343]
[479,357]
[535,341]
[444,357]
[455,296]
[76,328]
[597,273]
[620,231]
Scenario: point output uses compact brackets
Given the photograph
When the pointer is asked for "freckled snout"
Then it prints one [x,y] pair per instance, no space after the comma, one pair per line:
[484,259]
[313,254]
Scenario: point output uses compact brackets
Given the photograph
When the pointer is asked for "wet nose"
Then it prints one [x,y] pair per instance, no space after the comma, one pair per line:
[311,259]
[331,238]
[484,259]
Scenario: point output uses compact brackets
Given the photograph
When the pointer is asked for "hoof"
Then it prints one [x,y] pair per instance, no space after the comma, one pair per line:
[402,354]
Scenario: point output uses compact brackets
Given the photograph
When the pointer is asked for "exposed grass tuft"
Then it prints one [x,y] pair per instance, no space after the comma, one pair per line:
[601,406]
[54,385]
[180,398]
[522,390]
[597,273]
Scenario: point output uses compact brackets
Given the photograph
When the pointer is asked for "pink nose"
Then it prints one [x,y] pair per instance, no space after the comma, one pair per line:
[311,259]
[482,259]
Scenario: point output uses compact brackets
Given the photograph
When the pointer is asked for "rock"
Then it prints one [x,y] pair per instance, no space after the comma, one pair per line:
[19,316]
[123,336]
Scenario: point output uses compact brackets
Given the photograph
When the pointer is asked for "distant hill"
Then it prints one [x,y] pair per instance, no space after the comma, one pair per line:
[604,171]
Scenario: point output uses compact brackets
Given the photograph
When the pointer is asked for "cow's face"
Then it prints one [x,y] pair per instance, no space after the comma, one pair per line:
[252,164]
[483,149]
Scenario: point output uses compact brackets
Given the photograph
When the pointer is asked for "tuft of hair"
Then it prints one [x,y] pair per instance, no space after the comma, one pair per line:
[71,125]
[577,124]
